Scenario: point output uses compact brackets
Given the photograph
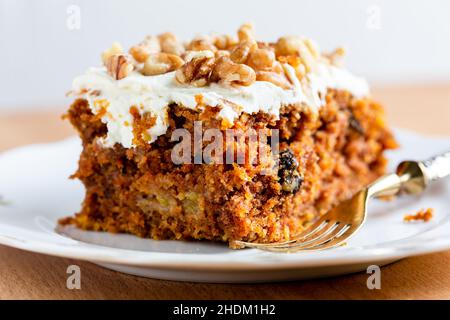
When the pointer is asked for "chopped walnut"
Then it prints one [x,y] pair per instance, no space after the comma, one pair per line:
[196,72]
[242,51]
[116,48]
[160,63]
[303,48]
[149,46]
[224,42]
[276,75]
[227,59]
[287,46]
[201,43]
[266,45]
[139,53]
[170,44]
[202,70]
[261,59]
[119,66]
[222,53]
[246,32]
[189,55]
[231,73]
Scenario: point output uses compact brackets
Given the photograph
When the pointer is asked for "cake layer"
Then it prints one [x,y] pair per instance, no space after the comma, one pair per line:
[141,191]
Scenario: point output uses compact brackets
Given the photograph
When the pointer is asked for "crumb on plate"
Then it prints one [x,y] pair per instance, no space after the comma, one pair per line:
[423,214]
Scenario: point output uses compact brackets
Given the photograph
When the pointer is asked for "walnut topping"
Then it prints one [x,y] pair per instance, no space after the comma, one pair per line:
[202,70]
[224,42]
[189,55]
[160,63]
[201,43]
[116,48]
[150,45]
[296,46]
[119,66]
[226,59]
[287,46]
[276,75]
[231,73]
[196,72]
[246,32]
[170,44]
[222,53]
[242,51]
[261,59]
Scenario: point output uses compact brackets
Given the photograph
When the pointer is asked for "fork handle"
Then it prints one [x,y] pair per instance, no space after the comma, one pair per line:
[437,167]
[417,175]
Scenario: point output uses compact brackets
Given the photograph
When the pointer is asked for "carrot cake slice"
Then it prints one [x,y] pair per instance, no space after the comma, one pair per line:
[222,138]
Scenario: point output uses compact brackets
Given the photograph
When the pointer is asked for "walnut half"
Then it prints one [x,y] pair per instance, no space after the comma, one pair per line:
[196,71]
[119,66]
[228,72]
[160,63]
[202,70]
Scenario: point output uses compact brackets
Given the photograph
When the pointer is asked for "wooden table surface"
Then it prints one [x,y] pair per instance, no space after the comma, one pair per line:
[26,275]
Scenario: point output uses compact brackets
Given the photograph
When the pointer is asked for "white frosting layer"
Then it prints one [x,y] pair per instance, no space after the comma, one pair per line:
[155,93]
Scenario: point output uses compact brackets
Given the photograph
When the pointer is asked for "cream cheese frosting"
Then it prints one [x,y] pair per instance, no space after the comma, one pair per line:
[154,94]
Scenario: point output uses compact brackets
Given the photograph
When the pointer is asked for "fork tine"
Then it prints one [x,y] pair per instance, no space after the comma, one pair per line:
[314,228]
[329,232]
[340,238]
[311,230]
[332,240]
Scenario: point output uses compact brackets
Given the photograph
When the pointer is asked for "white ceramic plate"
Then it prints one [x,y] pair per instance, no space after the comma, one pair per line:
[34,182]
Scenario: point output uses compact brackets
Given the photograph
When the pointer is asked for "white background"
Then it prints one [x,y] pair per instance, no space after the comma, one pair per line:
[388,41]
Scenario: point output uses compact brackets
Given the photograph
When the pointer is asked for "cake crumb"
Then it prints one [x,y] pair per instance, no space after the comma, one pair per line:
[423,214]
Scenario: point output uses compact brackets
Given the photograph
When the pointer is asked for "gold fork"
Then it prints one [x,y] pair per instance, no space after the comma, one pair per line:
[339,224]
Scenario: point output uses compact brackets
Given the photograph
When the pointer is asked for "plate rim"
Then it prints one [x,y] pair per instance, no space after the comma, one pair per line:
[177,261]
